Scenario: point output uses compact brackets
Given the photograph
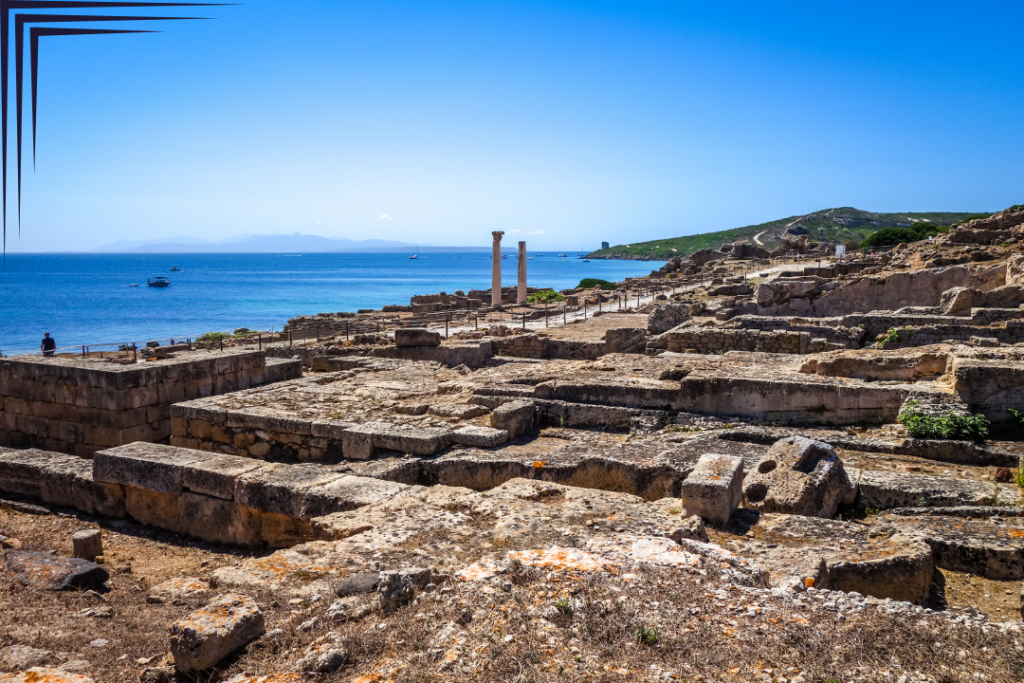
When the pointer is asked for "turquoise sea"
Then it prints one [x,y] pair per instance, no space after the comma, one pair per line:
[85,298]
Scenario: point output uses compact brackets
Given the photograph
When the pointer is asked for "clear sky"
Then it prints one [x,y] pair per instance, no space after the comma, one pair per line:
[435,122]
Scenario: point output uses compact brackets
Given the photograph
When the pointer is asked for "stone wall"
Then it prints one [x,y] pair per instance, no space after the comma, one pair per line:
[1011,332]
[78,405]
[849,337]
[217,498]
[720,339]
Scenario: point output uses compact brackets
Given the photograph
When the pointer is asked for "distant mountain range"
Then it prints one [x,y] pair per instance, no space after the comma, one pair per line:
[840,225]
[255,244]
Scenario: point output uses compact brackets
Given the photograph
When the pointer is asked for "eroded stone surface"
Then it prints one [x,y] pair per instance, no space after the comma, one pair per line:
[799,476]
[212,633]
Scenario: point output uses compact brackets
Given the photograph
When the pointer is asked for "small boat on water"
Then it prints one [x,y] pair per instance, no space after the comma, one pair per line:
[158,282]
[133,285]
[416,255]
[504,256]
[530,258]
[586,260]
[561,256]
[175,269]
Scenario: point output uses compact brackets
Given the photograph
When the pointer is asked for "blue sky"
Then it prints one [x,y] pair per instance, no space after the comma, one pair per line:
[569,122]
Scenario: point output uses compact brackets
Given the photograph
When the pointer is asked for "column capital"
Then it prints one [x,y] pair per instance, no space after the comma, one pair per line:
[496,234]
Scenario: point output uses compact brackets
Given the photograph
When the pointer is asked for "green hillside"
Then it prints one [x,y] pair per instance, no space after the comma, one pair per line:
[830,224]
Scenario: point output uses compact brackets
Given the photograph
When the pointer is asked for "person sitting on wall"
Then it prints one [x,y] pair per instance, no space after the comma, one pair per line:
[49,345]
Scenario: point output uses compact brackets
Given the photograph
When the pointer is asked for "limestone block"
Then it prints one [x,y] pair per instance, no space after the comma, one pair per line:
[360,442]
[218,520]
[515,417]
[87,544]
[481,437]
[279,489]
[212,633]
[284,531]
[348,493]
[799,476]
[714,488]
[152,508]
[144,465]
[412,336]
[692,529]
[217,475]
[180,588]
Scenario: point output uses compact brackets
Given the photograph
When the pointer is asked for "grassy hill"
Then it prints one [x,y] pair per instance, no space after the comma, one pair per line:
[831,224]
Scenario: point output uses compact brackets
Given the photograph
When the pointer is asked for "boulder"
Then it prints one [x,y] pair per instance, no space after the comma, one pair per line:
[179,589]
[415,336]
[212,633]
[714,488]
[664,318]
[799,476]
[515,417]
[397,588]
[776,290]
[45,572]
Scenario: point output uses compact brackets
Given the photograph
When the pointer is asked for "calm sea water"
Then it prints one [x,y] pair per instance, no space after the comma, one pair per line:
[85,299]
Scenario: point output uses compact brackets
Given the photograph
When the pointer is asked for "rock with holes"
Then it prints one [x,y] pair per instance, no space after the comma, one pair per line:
[714,488]
[210,634]
[799,476]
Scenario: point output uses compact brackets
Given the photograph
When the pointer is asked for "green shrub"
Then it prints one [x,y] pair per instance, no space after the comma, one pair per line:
[950,426]
[544,296]
[648,636]
[590,282]
[888,237]
[214,336]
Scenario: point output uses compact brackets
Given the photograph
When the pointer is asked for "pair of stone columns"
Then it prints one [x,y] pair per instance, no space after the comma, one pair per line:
[496,270]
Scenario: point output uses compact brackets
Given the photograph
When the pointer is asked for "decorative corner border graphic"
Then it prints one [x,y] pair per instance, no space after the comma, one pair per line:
[21,21]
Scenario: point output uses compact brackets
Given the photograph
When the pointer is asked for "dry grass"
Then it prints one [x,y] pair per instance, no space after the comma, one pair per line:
[644,626]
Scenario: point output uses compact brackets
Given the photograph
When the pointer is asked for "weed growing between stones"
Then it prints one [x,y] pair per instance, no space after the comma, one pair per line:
[949,427]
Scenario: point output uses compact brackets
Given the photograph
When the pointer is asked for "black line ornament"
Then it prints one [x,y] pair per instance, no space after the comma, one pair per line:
[6,6]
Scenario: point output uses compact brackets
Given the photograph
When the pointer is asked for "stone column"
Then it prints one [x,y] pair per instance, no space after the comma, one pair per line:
[496,269]
[522,272]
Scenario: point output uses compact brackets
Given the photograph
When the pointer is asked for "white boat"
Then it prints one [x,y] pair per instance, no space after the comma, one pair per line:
[416,255]
[561,256]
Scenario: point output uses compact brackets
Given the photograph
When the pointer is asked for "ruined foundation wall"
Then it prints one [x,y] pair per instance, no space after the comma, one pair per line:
[717,339]
[1012,332]
[78,406]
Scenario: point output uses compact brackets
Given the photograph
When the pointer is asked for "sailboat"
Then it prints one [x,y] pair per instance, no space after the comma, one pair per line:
[416,255]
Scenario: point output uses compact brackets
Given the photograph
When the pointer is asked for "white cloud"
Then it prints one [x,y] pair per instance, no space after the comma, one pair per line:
[536,232]
[318,222]
[513,232]
[387,218]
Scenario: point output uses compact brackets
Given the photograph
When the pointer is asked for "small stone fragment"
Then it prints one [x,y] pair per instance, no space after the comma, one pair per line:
[363,582]
[210,634]
[88,544]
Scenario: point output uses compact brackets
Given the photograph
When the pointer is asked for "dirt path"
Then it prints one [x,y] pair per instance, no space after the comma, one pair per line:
[757,237]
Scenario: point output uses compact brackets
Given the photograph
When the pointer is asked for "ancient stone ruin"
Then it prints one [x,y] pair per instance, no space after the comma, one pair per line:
[797,472]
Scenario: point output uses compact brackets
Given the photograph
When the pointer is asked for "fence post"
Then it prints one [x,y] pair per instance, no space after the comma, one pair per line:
[563,314]
[446,327]
[135,355]
[346,330]
[260,338]
[545,314]
[476,321]
[584,309]
[318,331]
[289,338]
[222,343]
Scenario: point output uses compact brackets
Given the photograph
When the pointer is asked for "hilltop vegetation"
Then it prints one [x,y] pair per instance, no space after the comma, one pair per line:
[843,224]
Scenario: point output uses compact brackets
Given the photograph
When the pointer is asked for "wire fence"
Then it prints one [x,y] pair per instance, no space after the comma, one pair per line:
[634,293]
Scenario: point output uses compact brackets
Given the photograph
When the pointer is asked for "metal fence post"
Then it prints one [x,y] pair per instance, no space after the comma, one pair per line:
[346,330]
[259,337]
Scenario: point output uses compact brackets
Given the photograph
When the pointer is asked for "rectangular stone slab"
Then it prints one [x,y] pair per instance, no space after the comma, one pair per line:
[217,476]
[279,489]
[348,493]
[146,466]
